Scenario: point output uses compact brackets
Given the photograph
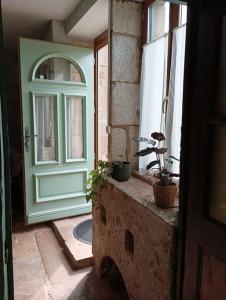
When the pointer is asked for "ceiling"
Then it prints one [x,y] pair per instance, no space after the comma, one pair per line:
[93,23]
[29,18]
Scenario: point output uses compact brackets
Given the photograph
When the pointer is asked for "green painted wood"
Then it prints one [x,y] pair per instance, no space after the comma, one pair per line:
[6,271]
[55,189]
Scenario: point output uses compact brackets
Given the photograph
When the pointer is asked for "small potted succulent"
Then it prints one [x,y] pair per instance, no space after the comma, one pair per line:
[165,190]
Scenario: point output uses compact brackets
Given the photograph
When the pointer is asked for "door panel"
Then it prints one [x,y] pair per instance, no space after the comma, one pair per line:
[213,280]
[203,154]
[57,103]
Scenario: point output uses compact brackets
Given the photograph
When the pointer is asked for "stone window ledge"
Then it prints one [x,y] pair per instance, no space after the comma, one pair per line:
[150,179]
[142,193]
[142,175]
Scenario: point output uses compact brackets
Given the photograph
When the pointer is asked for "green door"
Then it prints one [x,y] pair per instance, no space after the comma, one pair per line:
[58,117]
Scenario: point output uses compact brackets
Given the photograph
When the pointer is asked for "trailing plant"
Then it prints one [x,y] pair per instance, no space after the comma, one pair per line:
[96,179]
[160,163]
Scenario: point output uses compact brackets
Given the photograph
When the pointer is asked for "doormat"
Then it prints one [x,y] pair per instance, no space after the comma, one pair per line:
[84,231]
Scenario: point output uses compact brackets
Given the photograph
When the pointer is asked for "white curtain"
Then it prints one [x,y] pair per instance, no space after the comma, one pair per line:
[153,75]
[75,128]
[174,108]
[45,128]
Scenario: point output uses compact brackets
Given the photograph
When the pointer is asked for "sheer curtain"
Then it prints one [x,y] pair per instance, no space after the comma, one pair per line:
[174,107]
[74,127]
[45,128]
[152,91]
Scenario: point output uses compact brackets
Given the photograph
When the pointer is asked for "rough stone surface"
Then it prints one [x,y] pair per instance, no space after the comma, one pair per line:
[78,253]
[125,104]
[118,143]
[57,280]
[148,273]
[126,17]
[132,146]
[125,49]
[125,58]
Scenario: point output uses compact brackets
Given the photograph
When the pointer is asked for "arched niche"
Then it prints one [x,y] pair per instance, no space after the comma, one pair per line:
[58,68]
[112,275]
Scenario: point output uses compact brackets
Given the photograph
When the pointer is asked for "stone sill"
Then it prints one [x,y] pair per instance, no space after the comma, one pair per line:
[142,175]
[142,193]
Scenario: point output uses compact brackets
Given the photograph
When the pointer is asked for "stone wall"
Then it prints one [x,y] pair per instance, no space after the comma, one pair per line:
[141,240]
[125,55]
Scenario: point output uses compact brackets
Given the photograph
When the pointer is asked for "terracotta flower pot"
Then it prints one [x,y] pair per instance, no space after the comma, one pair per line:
[165,196]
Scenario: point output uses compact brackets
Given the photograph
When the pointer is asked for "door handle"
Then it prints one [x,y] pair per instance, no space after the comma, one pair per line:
[27,138]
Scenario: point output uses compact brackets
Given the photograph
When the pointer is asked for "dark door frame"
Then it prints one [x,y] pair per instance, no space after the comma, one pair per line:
[197,231]
[99,42]
[5,243]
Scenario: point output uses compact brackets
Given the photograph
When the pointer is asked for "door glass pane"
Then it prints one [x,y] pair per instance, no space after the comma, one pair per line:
[102,103]
[75,148]
[45,108]
[58,69]
[158,20]
[217,193]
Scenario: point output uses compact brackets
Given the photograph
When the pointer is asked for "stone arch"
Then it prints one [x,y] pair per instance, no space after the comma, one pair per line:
[111,273]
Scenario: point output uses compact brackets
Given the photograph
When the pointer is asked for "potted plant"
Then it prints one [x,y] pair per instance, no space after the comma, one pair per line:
[121,170]
[97,180]
[165,190]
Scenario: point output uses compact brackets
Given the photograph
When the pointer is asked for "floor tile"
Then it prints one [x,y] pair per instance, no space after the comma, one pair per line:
[42,272]
[31,290]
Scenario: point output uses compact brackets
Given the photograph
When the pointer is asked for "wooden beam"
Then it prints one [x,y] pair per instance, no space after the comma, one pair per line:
[77,14]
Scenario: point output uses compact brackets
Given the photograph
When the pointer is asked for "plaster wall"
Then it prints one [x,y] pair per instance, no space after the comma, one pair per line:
[125,57]
[55,32]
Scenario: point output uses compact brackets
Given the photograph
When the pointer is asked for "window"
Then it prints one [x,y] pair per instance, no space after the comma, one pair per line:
[58,69]
[101,97]
[74,127]
[158,20]
[162,75]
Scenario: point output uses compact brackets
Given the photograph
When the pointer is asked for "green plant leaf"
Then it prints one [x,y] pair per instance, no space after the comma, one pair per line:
[145,152]
[173,157]
[144,140]
[159,136]
[152,164]
[160,150]
[174,175]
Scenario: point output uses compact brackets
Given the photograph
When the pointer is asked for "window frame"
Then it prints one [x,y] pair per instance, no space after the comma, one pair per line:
[174,19]
[100,42]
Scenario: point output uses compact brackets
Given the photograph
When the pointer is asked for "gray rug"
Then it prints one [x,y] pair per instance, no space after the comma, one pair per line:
[84,232]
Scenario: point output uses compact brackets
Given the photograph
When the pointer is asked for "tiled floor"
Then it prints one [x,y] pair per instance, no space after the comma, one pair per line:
[42,272]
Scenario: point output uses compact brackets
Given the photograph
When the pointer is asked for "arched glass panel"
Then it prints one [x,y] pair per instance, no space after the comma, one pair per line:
[58,69]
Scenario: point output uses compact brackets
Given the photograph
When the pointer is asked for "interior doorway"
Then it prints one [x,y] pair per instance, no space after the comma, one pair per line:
[101,97]
[55,131]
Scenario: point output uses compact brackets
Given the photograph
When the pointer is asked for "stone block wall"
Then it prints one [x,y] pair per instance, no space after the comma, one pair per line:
[141,240]
[125,57]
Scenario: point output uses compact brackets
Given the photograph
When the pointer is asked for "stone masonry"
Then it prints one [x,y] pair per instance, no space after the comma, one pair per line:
[141,240]
[125,54]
